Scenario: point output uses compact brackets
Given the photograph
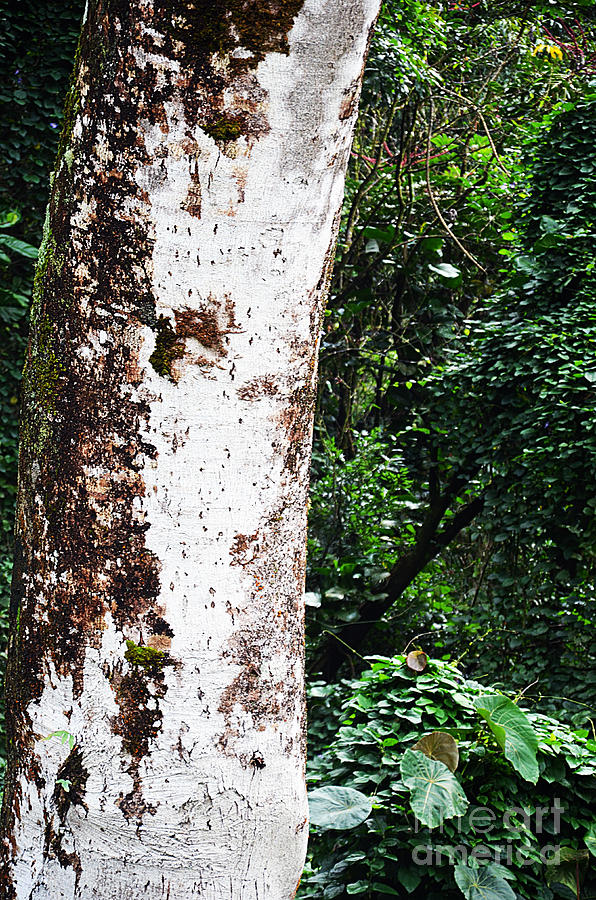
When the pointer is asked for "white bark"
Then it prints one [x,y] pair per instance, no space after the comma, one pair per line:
[214,803]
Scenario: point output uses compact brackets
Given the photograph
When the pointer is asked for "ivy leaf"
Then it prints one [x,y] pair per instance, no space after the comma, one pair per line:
[484,883]
[338,807]
[549,225]
[439,745]
[435,794]
[410,878]
[513,732]
[590,839]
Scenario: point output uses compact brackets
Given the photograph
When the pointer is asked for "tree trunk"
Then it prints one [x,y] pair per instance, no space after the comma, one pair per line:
[429,543]
[155,686]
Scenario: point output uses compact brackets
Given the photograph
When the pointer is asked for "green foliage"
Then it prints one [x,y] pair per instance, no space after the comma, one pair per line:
[37,45]
[519,390]
[359,512]
[510,826]
[338,808]
[514,734]
[476,379]
[435,794]
[484,883]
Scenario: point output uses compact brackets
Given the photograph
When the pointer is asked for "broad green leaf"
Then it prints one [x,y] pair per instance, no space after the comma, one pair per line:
[590,839]
[482,883]
[432,246]
[435,794]
[513,732]
[549,225]
[356,887]
[410,878]
[439,745]
[338,807]
[380,234]
[20,247]
[565,867]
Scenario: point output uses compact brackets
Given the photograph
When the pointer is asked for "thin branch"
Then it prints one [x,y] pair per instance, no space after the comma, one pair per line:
[433,201]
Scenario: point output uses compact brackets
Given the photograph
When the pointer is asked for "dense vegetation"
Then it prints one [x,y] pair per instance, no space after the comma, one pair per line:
[506,807]
[453,496]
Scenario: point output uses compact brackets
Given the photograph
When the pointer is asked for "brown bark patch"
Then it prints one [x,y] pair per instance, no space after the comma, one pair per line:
[192,203]
[160,642]
[74,775]
[296,420]
[219,46]
[139,719]
[274,581]
[244,549]
[158,625]
[203,326]
[53,849]
[138,694]
[257,388]
[209,325]
[350,100]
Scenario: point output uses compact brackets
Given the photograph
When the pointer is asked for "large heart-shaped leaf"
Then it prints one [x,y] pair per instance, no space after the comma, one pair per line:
[435,794]
[513,732]
[439,745]
[338,807]
[482,883]
[565,867]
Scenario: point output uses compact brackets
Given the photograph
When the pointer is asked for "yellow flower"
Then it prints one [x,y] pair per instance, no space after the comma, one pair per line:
[553,51]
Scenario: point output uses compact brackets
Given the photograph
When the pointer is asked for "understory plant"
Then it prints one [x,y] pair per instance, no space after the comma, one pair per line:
[437,786]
